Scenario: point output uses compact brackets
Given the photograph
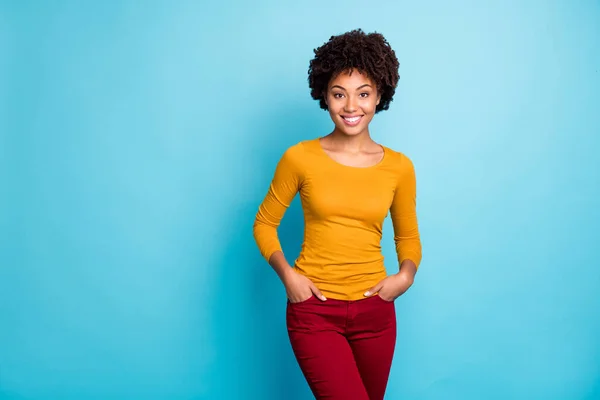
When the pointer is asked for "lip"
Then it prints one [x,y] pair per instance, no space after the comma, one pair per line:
[354,122]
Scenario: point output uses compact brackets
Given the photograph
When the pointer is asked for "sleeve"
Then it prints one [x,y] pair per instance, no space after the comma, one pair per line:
[403,212]
[286,182]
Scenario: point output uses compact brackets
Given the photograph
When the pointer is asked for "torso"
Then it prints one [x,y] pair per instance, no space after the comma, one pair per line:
[345,197]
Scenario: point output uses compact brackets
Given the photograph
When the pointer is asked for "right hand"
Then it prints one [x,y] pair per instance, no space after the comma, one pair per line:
[299,288]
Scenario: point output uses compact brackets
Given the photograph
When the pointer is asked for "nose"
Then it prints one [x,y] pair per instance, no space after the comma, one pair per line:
[350,105]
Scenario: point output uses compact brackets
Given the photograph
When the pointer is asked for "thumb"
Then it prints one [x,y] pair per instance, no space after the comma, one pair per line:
[317,292]
[374,289]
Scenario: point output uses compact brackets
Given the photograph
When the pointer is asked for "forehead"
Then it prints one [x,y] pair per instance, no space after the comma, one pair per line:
[351,79]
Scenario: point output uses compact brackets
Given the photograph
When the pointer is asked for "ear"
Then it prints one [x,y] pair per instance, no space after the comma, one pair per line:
[378,100]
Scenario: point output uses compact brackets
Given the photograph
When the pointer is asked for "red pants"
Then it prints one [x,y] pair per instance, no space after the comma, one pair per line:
[344,348]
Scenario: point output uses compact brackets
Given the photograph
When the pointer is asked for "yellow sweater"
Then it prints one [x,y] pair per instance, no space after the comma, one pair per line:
[344,209]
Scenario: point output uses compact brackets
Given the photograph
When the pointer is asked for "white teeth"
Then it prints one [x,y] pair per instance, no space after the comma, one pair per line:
[354,119]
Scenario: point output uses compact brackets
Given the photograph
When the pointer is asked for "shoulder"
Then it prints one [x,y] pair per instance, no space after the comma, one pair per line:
[299,151]
[402,167]
[400,161]
[294,157]
[295,150]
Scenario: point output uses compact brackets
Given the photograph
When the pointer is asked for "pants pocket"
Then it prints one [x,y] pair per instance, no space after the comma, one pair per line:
[384,300]
[312,296]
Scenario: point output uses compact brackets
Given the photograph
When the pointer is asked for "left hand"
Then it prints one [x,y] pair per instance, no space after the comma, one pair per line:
[391,287]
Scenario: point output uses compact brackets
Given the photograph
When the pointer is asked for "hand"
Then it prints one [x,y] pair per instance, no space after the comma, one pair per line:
[391,287]
[299,288]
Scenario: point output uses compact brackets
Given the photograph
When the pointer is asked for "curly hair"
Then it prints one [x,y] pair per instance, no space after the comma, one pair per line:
[370,54]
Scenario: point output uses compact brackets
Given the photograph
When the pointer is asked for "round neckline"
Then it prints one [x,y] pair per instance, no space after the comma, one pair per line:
[380,162]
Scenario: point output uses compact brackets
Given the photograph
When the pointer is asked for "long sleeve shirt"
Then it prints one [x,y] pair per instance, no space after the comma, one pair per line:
[344,209]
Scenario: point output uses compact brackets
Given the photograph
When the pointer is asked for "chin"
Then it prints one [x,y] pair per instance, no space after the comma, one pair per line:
[354,131]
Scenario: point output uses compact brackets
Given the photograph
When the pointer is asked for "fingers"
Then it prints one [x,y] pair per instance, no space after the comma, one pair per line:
[317,293]
[374,289]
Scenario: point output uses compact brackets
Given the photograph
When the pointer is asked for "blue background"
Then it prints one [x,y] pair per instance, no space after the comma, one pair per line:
[138,138]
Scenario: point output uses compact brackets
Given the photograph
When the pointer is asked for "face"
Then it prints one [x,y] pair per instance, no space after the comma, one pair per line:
[352,99]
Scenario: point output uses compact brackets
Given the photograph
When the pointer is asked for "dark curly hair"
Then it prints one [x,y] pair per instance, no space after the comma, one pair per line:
[370,54]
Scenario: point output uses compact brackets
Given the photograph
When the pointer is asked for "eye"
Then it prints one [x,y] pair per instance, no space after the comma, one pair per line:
[337,95]
[364,95]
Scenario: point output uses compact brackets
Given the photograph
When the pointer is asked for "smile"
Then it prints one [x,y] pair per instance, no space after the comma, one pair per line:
[352,121]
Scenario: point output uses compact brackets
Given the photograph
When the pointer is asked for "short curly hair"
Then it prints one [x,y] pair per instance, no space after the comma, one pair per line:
[370,54]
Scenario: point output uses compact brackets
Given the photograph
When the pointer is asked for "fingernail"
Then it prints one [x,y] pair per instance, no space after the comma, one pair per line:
[367,293]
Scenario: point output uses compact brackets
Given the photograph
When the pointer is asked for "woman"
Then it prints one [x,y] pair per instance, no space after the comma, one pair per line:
[340,315]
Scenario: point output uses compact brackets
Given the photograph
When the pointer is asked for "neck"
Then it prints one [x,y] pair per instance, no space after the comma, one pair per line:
[345,142]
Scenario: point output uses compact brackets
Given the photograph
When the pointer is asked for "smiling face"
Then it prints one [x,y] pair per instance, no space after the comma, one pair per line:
[351,99]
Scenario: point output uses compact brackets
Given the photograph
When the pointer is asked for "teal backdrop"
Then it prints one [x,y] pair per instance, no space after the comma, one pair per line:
[139,137]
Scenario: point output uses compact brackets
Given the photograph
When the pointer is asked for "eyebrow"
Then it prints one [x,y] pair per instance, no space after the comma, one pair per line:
[358,88]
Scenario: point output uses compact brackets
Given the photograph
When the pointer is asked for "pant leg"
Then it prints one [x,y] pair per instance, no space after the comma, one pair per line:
[372,337]
[316,332]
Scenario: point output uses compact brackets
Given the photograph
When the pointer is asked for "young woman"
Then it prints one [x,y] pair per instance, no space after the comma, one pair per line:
[340,314]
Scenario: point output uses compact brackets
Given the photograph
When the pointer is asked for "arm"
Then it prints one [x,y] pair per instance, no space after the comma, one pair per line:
[286,182]
[403,212]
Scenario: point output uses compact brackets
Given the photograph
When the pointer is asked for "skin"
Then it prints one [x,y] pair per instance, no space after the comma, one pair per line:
[348,95]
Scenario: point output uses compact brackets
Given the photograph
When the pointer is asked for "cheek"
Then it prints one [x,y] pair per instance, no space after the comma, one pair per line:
[334,108]
[370,107]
